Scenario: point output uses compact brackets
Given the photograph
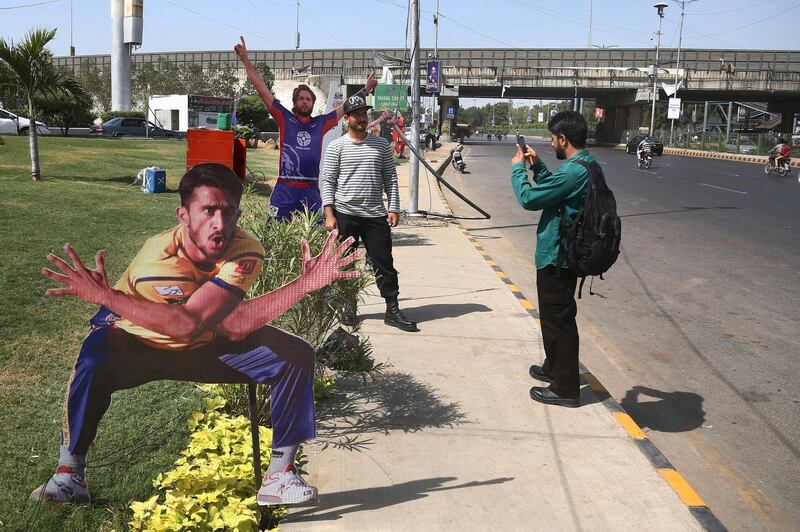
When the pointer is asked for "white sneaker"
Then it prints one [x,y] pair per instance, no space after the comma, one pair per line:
[63,487]
[285,487]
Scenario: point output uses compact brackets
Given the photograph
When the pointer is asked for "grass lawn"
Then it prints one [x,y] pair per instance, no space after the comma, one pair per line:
[85,199]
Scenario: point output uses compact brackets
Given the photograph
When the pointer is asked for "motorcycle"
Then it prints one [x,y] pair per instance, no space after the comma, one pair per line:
[458,160]
[782,168]
[645,159]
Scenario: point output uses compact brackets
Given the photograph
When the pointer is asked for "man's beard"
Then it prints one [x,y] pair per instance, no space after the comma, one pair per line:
[211,255]
[560,153]
[304,114]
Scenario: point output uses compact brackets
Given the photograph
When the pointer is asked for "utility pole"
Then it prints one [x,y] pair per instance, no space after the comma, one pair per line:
[590,24]
[660,7]
[678,62]
[436,57]
[71,45]
[413,170]
[297,27]
[120,60]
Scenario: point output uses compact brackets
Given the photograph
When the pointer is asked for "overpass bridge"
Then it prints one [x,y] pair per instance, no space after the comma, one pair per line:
[617,78]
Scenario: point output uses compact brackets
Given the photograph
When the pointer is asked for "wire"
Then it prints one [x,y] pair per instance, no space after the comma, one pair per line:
[457,23]
[731,10]
[29,5]
[270,23]
[332,36]
[783,13]
[244,31]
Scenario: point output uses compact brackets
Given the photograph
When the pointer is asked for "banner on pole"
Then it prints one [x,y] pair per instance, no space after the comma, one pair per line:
[433,86]
[674,109]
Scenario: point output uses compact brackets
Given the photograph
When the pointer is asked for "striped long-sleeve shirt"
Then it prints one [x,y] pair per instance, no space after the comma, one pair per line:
[355,176]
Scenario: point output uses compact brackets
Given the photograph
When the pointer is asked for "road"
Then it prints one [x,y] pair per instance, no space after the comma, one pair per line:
[695,329]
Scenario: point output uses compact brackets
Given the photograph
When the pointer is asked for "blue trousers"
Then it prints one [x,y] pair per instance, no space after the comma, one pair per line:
[111,359]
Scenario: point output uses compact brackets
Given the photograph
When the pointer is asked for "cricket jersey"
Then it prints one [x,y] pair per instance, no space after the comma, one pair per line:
[298,164]
[162,272]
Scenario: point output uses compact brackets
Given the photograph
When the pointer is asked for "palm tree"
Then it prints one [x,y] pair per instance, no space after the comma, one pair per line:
[27,67]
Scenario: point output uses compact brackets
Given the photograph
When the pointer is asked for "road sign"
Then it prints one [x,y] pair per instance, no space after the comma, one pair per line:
[674,109]
[391,97]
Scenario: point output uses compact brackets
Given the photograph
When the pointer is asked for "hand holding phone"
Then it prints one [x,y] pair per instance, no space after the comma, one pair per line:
[521,144]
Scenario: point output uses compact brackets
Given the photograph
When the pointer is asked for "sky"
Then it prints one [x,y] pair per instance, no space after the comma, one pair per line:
[183,25]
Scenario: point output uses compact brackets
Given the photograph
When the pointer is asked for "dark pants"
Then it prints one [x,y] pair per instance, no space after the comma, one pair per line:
[111,359]
[377,238]
[557,310]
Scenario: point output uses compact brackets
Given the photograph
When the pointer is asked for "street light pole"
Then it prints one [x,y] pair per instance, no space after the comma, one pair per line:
[413,162]
[678,62]
[660,7]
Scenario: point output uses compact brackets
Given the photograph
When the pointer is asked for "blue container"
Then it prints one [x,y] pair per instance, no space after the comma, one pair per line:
[154,181]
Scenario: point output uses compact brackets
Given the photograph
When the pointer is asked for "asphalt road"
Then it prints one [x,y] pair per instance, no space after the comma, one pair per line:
[695,329]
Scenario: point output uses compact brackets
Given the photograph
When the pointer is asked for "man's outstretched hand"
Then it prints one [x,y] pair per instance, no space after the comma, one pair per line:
[371,84]
[320,271]
[81,282]
[241,50]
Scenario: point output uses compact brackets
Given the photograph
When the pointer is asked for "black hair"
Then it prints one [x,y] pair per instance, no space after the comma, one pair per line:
[296,93]
[781,140]
[214,175]
[572,125]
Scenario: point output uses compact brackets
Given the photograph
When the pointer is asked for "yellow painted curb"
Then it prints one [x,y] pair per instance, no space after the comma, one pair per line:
[526,304]
[681,487]
[629,425]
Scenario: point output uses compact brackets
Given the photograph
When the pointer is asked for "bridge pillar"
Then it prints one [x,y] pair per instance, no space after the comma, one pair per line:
[448,116]
[788,110]
[620,118]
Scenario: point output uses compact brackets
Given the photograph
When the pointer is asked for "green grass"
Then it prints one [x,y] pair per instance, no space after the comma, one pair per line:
[83,199]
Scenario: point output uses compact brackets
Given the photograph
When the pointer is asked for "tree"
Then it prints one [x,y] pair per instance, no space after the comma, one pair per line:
[252,108]
[97,83]
[266,74]
[28,67]
[65,111]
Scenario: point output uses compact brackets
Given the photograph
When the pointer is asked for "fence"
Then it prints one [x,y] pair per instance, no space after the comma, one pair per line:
[742,143]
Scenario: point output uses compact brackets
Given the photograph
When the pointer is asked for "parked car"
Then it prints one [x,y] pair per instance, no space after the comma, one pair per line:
[656,145]
[129,126]
[746,146]
[423,135]
[11,124]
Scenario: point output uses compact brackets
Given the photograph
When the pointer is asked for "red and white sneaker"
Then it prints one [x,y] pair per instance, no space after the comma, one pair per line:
[285,487]
[63,487]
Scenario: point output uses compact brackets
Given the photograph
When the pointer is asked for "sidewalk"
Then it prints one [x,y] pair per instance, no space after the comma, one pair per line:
[447,438]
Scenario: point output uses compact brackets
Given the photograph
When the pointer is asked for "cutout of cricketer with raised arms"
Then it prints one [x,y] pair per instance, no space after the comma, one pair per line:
[179,313]
[300,142]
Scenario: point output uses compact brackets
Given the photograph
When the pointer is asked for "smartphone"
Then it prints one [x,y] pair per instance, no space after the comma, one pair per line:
[521,144]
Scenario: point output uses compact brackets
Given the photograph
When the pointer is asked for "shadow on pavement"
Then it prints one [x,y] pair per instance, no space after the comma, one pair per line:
[390,401]
[435,311]
[334,505]
[671,412]
[409,239]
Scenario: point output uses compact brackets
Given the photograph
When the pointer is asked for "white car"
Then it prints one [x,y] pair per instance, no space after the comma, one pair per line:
[11,124]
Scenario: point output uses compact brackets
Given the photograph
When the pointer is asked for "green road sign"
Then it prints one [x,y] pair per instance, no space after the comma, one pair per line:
[391,97]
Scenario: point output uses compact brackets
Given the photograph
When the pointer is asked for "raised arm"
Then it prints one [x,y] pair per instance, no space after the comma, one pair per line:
[317,272]
[253,75]
[203,310]
[369,86]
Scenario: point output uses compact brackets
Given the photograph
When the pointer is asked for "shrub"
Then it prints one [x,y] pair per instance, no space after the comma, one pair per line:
[211,486]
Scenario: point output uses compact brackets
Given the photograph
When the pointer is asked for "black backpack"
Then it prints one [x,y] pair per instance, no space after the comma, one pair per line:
[591,243]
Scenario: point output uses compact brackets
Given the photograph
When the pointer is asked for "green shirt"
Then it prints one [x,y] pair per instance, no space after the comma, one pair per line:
[565,188]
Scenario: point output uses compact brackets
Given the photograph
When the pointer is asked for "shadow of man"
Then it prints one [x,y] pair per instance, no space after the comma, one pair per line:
[672,412]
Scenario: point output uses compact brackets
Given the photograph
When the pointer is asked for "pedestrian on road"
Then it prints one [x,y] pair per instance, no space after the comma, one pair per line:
[178,313]
[556,194]
[358,169]
[300,142]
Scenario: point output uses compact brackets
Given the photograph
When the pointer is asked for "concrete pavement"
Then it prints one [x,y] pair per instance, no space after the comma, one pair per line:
[447,438]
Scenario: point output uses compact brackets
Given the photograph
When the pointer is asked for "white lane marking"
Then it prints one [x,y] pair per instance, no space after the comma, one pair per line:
[645,171]
[723,188]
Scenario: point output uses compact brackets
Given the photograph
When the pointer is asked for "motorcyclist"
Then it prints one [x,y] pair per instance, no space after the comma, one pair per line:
[780,153]
[458,159]
[644,149]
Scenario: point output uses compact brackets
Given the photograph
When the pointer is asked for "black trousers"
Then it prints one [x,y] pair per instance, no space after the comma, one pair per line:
[377,238]
[557,311]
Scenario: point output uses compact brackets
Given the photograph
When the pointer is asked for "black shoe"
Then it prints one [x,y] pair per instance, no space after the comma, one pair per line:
[394,317]
[549,397]
[538,373]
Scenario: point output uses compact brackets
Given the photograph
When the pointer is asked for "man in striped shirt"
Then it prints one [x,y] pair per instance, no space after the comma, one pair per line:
[357,170]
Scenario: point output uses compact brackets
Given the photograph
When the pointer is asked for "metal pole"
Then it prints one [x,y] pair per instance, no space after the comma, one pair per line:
[728,128]
[590,24]
[705,124]
[436,56]
[297,27]
[251,393]
[678,61]
[120,60]
[71,44]
[413,170]
[655,75]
